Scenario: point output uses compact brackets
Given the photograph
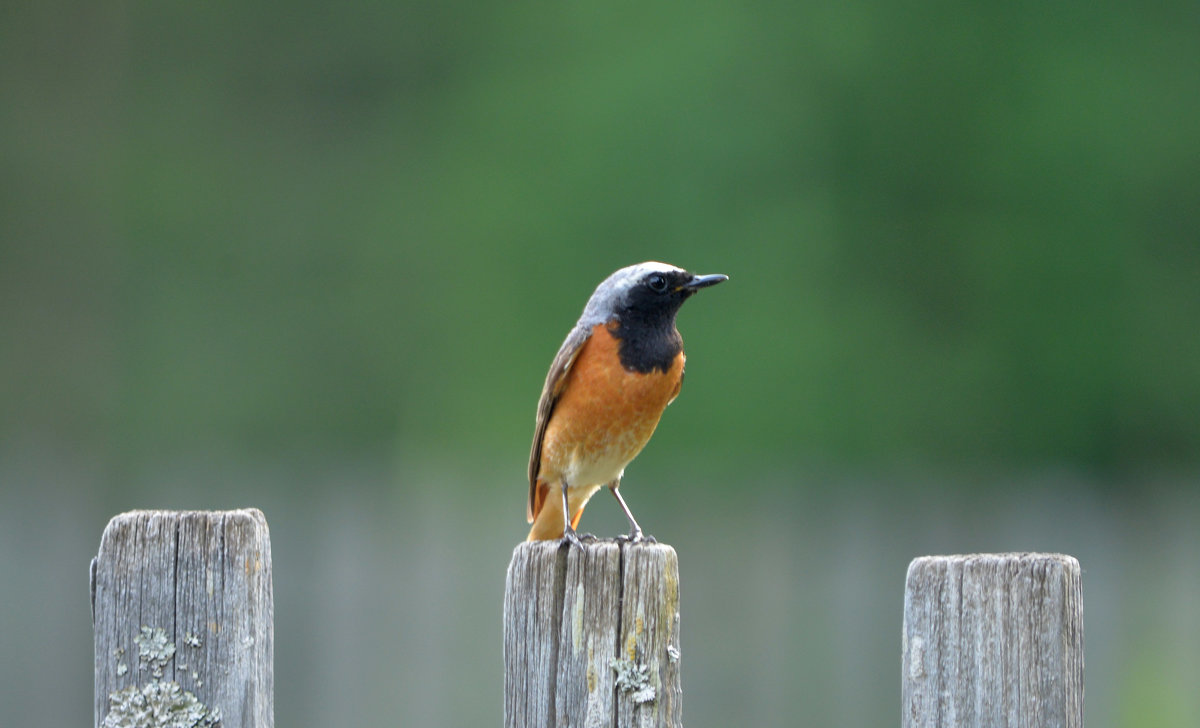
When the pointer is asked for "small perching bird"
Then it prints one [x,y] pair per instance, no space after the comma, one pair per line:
[619,367]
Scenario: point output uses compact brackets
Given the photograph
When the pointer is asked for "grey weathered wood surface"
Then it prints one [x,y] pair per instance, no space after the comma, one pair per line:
[591,636]
[204,579]
[993,640]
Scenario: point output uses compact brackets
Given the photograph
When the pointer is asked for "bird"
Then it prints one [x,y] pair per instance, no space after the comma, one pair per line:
[617,370]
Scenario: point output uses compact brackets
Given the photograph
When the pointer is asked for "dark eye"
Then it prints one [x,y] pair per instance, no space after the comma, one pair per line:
[657,283]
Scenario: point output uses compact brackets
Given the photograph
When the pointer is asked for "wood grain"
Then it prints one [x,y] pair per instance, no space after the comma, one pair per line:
[182,610]
[993,640]
[591,636]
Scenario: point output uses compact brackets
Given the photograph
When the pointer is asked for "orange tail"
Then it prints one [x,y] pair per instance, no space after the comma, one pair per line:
[547,512]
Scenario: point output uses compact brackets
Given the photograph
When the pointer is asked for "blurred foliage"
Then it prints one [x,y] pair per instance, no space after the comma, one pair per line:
[957,233]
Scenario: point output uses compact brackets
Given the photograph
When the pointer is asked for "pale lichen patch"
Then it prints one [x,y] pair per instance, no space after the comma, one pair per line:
[158,705]
[634,678]
[154,650]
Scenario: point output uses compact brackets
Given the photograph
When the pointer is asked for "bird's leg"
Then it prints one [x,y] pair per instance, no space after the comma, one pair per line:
[635,531]
[568,532]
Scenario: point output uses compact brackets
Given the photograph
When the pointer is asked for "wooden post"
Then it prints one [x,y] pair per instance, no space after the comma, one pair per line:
[183,618]
[591,636]
[993,640]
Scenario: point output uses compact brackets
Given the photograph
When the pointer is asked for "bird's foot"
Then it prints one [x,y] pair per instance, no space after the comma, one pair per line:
[572,538]
[636,536]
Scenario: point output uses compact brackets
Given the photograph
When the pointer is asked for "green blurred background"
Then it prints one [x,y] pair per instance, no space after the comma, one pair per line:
[316,258]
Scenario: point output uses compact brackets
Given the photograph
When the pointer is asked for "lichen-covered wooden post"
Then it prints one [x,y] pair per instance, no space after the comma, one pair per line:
[993,640]
[591,636]
[183,617]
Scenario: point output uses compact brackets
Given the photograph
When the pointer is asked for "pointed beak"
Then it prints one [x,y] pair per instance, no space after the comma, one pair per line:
[699,282]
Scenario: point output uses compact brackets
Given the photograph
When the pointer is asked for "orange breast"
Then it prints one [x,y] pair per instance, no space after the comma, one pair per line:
[605,414]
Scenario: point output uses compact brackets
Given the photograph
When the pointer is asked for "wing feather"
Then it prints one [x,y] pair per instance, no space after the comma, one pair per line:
[551,391]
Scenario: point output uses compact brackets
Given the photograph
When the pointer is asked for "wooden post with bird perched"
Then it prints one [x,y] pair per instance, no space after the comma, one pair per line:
[591,636]
[591,627]
[182,610]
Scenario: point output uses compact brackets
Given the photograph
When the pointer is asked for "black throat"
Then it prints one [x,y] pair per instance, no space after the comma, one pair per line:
[647,343]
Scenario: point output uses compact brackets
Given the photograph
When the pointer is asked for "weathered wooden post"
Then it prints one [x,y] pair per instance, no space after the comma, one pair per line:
[993,640]
[183,618]
[591,636]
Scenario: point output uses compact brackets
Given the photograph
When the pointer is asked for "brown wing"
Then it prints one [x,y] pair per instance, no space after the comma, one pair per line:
[550,393]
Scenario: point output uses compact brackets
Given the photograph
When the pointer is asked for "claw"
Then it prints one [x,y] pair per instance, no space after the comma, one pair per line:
[637,537]
[635,531]
[570,537]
